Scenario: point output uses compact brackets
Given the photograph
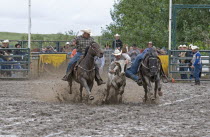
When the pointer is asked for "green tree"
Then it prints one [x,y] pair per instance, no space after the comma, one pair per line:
[140,21]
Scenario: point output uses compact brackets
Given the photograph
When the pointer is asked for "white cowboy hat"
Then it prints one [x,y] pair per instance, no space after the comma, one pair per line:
[150,42]
[88,31]
[194,47]
[5,41]
[117,52]
[116,35]
[67,43]
[190,45]
[184,46]
[180,46]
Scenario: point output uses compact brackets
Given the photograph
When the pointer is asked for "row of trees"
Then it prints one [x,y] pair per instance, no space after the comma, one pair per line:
[140,21]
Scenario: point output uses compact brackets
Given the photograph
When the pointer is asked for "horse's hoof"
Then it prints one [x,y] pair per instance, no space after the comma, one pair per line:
[91,97]
[160,93]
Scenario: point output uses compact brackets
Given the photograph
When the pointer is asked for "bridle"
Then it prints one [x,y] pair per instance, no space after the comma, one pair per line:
[95,50]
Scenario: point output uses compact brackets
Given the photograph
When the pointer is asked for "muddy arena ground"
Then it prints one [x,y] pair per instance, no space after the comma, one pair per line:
[43,107]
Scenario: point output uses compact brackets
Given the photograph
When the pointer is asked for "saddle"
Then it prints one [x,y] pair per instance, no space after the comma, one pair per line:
[74,67]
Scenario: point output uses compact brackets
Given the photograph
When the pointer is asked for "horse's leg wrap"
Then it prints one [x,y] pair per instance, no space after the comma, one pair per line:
[85,85]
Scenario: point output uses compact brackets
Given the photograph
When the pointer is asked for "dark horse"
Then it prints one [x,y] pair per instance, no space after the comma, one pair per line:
[84,73]
[150,71]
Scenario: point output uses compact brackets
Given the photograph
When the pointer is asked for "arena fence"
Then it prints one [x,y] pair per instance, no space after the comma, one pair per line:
[182,71]
[14,63]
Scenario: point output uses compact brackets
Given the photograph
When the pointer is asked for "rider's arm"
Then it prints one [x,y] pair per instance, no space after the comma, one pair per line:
[126,56]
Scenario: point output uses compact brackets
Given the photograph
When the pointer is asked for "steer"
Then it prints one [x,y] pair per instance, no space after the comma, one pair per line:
[116,83]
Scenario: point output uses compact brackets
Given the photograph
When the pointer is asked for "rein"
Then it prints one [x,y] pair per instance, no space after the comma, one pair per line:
[96,51]
[86,69]
[144,65]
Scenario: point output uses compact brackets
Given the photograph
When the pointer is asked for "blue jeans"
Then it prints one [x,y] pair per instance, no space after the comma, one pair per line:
[191,73]
[73,60]
[197,71]
[183,76]
[132,71]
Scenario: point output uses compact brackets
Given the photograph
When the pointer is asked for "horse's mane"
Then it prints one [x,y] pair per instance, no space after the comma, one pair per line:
[151,53]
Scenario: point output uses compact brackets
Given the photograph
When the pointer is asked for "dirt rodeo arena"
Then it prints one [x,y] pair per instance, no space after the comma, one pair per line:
[40,105]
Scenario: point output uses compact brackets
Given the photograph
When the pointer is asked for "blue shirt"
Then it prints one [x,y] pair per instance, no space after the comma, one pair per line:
[196,58]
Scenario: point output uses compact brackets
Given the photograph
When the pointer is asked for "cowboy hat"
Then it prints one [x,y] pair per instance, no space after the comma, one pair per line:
[194,47]
[88,31]
[180,46]
[5,41]
[150,42]
[184,46]
[67,43]
[117,52]
[190,45]
[116,35]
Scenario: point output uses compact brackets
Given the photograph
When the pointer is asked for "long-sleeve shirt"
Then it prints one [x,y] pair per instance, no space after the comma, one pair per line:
[82,43]
[196,60]
[117,43]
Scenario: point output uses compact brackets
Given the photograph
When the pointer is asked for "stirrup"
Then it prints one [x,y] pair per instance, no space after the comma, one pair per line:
[139,82]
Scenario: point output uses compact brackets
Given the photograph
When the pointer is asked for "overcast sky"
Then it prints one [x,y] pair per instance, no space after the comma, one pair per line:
[53,16]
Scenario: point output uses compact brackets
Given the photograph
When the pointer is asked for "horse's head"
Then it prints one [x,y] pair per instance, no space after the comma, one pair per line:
[120,67]
[95,50]
[153,62]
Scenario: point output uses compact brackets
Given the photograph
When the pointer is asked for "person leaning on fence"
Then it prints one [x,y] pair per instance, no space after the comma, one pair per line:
[189,54]
[18,52]
[117,43]
[82,45]
[196,64]
[182,62]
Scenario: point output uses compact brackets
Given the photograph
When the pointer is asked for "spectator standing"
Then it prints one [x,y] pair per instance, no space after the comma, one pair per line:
[196,64]
[117,43]
[183,61]
[189,54]
[134,52]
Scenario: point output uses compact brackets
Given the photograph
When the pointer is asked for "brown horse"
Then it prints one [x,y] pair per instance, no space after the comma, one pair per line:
[150,71]
[84,73]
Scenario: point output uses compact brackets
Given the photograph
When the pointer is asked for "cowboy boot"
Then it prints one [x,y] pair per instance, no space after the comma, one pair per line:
[139,82]
[198,82]
[98,78]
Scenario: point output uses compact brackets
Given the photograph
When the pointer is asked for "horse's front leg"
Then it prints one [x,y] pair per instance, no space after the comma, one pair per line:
[147,88]
[85,85]
[70,86]
[81,88]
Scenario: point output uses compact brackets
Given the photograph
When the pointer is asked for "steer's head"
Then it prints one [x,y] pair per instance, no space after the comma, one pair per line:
[120,67]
